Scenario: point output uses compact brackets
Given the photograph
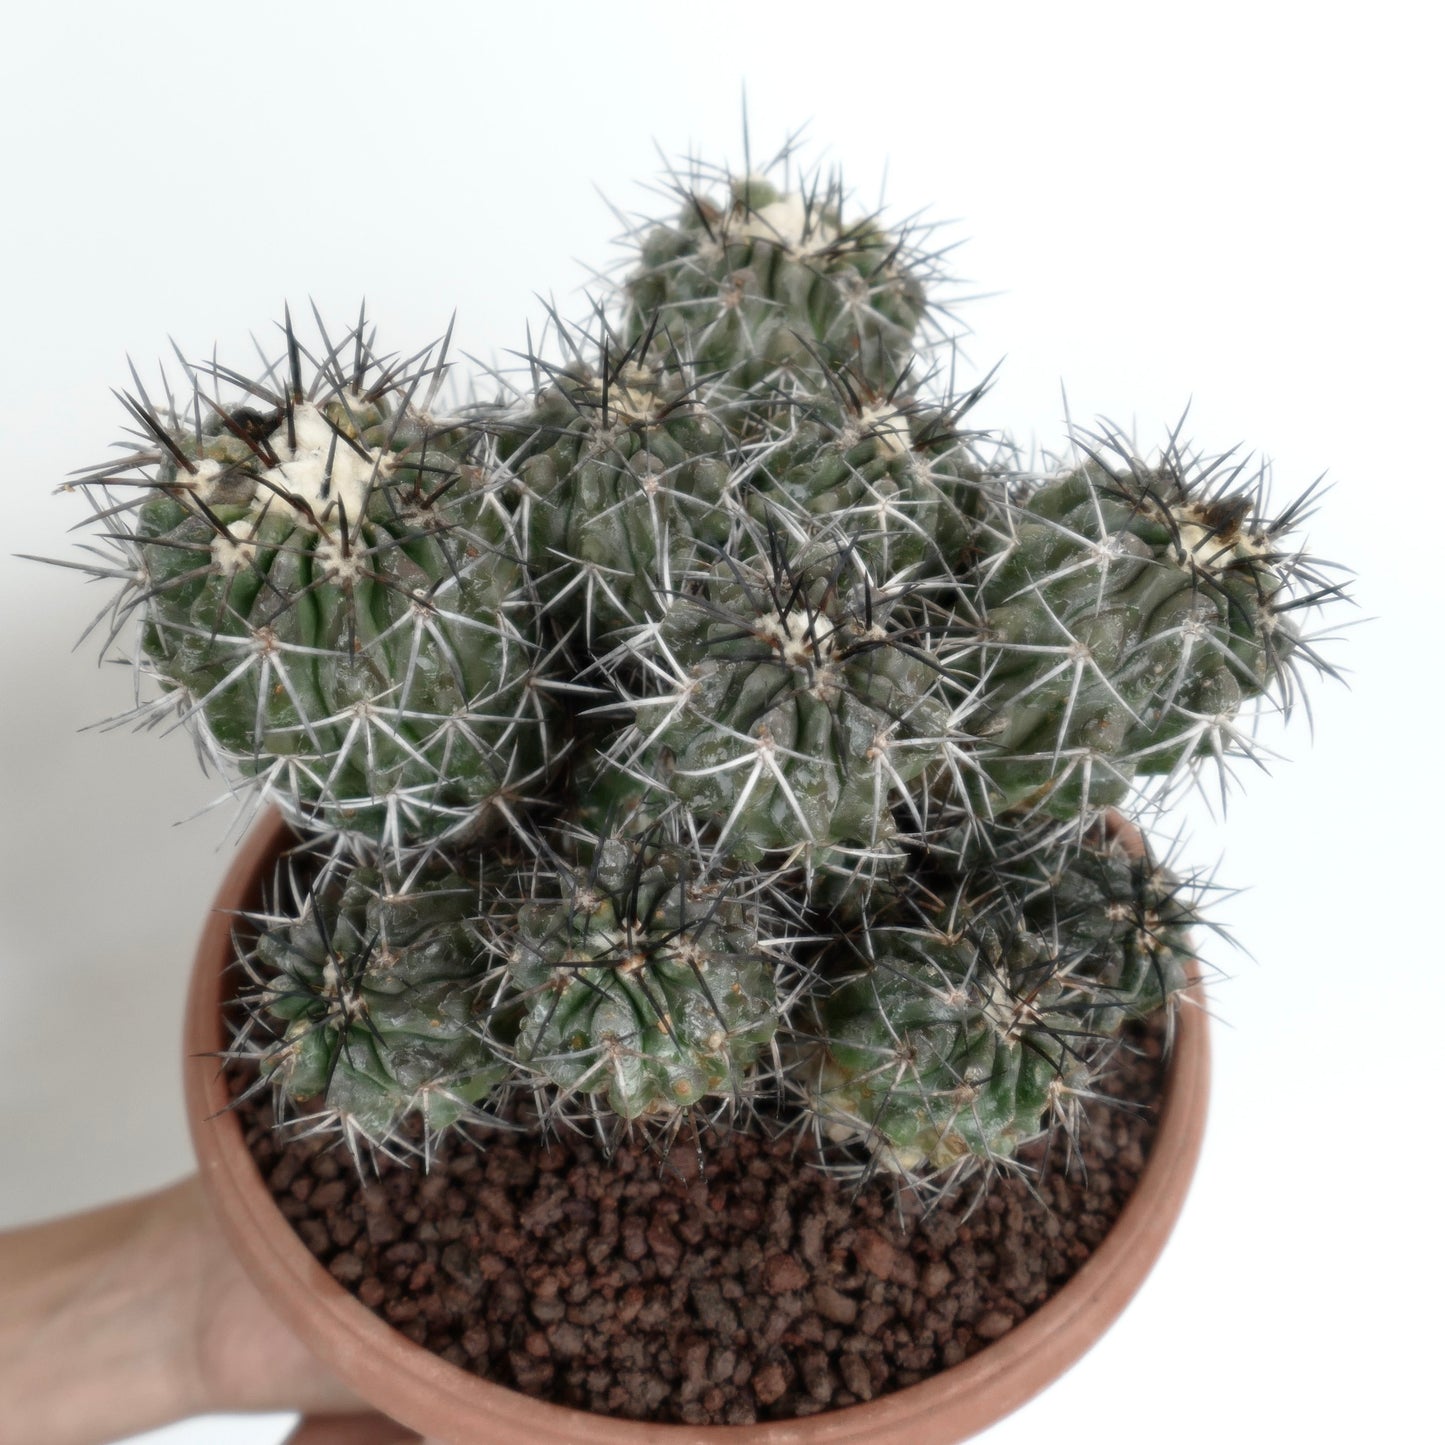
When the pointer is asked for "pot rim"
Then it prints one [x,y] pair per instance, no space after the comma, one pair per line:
[427,1393]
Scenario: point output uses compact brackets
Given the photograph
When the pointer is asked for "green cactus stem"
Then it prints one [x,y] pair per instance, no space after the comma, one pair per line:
[372,1001]
[643,984]
[331,595]
[760,285]
[786,701]
[969,1021]
[1129,612]
[895,474]
[623,472]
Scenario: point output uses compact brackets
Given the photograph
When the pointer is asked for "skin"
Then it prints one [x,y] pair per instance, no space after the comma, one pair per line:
[135,1315]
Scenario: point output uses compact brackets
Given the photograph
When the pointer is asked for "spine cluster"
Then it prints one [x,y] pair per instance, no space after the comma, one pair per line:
[719,721]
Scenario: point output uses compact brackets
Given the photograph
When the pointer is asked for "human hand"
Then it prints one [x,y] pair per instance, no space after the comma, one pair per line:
[137,1314]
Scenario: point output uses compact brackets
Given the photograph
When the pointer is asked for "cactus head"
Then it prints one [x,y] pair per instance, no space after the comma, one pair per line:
[330,593]
[624,473]
[785,699]
[896,475]
[1129,612]
[372,1001]
[643,982]
[967,1021]
[765,282]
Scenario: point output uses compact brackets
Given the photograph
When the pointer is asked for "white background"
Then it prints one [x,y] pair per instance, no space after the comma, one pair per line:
[1232,207]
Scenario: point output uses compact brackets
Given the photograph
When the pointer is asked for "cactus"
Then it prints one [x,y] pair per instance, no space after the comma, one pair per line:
[330,592]
[366,1004]
[715,719]
[623,472]
[1128,614]
[768,284]
[797,708]
[898,476]
[642,983]
[959,1026]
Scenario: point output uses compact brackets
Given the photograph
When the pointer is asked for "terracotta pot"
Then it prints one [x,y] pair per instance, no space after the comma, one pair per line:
[429,1395]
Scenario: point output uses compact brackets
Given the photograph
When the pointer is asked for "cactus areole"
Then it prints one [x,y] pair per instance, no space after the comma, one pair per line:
[713,722]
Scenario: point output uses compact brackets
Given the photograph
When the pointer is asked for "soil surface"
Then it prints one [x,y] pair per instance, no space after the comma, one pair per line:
[751,1288]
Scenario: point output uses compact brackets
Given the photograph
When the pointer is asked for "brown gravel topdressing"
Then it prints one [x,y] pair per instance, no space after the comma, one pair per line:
[754,1289]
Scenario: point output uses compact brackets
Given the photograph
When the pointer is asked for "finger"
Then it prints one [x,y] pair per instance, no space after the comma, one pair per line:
[351,1430]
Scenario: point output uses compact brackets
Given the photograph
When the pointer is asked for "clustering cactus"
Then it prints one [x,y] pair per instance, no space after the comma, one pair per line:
[715,720]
